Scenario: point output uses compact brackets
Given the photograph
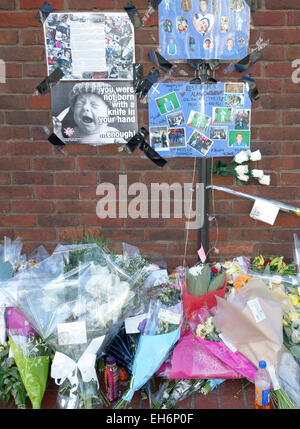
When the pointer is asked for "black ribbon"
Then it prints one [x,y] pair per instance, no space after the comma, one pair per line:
[43,12]
[145,84]
[138,141]
[133,14]
[253,4]
[159,60]
[155,3]
[56,141]
[45,86]
[138,74]
[252,88]
[248,61]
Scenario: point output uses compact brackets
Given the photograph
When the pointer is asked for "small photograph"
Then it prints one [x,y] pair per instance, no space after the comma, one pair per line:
[192,43]
[230,50]
[167,103]
[186,5]
[237,5]
[200,142]
[218,133]
[175,119]
[241,41]
[224,24]
[159,138]
[239,138]
[172,48]
[234,88]
[222,115]
[203,24]
[198,120]
[208,44]
[242,119]
[176,137]
[181,24]
[236,100]
[203,5]
[168,25]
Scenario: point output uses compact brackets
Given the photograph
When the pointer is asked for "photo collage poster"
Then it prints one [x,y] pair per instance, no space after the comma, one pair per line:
[212,29]
[90,45]
[187,120]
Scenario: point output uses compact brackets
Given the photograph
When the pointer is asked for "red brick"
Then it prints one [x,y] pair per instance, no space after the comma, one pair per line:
[30,178]
[283,101]
[268,85]
[251,234]
[284,36]
[14,164]
[17,220]
[268,19]
[25,117]
[76,179]
[4,206]
[94,220]
[18,20]
[169,234]
[32,37]
[36,4]
[112,164]
[4,178]
[13,70]
[280,133]
[35,70]
[290,178]
[37,234]
[40,102]
[57,221]
[32,207]
[12,101]
[206,402]
[8,37]
[290,221]
[20,86]
[291,148]
[278,70]
[282,4]
[15,192]
[22,54]
[7,4]
[54,164]
[75,207]
[236,249]
[55,192]
[152,20]
[29,148]
[90,4]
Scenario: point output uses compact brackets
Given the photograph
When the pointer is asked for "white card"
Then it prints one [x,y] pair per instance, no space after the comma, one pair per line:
[228,343]
[256,310]
[132,323]
[264,211]
[169,316]
[71,333]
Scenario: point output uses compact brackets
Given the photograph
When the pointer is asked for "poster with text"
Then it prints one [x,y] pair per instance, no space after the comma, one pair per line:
[94,113]
[90,45]
[199,120]
[212,29]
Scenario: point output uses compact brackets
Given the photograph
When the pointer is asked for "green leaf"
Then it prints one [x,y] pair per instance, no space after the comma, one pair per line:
[217,283]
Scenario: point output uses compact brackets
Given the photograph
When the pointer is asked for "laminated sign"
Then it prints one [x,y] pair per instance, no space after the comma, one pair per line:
[205,120]
[90,45]
[212,29]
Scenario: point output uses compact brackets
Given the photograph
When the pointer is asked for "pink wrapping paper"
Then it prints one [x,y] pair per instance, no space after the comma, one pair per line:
[191,359]
[17,324]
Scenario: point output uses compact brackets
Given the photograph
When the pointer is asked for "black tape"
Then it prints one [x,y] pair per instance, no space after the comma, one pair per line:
[253,4]
[252,88]
[248,61]
[43,12]
[145,85]
[138,141]
[133,14]
[159,60]
[138,75]
[56,141]
[202,72]
[155,3]
[45,86]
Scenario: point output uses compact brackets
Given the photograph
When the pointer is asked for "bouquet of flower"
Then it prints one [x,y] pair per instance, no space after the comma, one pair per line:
[11,383]
[272,265]
[30,353]
[240,170]
[160,332]
[76,313]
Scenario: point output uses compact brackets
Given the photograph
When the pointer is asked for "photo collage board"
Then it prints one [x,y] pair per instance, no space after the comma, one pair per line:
[188,120]
[212,29]
[90,45]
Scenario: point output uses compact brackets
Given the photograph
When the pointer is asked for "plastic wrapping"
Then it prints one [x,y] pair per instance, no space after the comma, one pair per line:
[160,332]
[282,206]
[289,376]
[76,313]
[31,354]
[252,322]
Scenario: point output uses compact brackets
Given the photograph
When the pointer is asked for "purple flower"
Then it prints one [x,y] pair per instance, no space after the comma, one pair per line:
[142,325]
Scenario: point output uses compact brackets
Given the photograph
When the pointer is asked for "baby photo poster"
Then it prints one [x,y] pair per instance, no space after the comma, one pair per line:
[213,29]
[189,120]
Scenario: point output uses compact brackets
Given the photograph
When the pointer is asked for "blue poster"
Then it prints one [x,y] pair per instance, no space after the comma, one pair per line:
[199,120]
[212,29]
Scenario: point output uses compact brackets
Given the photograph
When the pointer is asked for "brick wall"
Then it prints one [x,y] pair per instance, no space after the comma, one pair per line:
[48,197]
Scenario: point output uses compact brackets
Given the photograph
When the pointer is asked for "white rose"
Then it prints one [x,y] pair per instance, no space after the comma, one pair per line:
[265,180]
[242,169]
[257,173]
[255,156]
[243,177]
[241,157]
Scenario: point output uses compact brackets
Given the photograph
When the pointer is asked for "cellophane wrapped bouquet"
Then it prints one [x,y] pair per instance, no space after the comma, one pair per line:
[76,311]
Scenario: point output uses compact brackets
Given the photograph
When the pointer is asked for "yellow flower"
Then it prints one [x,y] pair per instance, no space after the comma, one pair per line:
[294,299]
[293,316]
